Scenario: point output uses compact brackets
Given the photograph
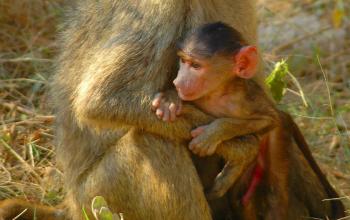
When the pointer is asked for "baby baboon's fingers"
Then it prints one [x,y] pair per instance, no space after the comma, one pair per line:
[166,113]
[172,109]
[159,113]
[158,98]
[197,131]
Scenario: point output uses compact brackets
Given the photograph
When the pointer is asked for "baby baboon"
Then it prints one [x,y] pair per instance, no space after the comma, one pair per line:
[216,70]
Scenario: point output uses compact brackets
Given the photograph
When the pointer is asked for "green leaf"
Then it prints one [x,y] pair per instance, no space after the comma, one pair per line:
[98,202]
[275,81]
[86,217]
[105,214]
[101,211]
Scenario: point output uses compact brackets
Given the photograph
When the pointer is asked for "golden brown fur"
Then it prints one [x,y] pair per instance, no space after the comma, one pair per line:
[11,208]
[219,82]
[115,55]
[293,185]
[245,109]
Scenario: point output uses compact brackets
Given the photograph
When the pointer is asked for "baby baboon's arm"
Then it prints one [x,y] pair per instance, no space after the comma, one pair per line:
[208,137]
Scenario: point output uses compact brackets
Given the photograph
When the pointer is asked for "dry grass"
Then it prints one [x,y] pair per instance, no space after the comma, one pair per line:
[27,48]
[315,39]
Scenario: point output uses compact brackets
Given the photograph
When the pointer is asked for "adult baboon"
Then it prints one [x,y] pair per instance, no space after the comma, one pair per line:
[115,55]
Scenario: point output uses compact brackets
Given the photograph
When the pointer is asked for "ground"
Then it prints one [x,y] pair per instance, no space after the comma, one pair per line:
[313,35]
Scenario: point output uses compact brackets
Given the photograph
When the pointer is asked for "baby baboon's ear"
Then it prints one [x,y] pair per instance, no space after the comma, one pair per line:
[246,62]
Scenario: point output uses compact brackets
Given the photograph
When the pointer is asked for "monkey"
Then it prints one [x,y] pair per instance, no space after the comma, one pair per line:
[114,56]
[215,73]
[208,78]
[307,185]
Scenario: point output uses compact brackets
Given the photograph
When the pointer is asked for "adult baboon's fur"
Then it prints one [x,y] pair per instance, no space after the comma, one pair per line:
[116,54]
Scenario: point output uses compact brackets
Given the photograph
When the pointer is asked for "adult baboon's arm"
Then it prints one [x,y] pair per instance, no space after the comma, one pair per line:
[108,98]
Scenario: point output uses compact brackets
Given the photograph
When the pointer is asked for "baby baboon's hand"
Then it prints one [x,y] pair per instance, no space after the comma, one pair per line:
[167,106]
[205,140]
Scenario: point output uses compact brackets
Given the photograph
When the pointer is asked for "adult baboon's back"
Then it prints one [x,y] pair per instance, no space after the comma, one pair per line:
[116,54]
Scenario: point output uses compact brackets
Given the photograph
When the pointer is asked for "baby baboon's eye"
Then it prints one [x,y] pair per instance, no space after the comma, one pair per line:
[196,66]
